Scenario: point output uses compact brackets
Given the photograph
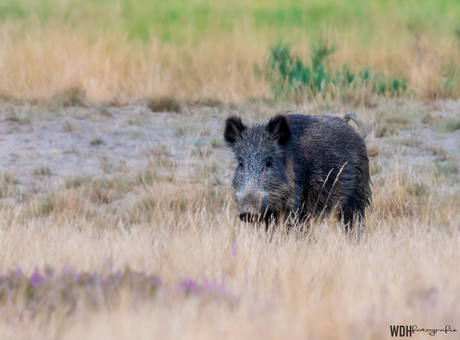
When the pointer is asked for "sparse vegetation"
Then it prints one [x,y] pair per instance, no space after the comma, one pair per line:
[105,111]
[136,134]
[160,150]
[96,141]
[137,120]
[164,105]
[73,96]
[211,102]
[447,168]
[409,140]
[441,125]
[437,151]
[390,123]
[147,177]
[70,127]
[182,129]
[449,125]
[106,190]
[7,184]
[217,143]
[43,170]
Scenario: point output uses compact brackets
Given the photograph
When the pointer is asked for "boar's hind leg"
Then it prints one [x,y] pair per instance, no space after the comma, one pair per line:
[352,211]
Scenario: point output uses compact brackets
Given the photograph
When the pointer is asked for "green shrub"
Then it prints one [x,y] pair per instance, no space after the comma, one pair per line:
[289,76]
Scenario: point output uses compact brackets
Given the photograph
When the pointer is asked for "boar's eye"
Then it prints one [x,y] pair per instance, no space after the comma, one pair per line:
[240,165]
[268,164]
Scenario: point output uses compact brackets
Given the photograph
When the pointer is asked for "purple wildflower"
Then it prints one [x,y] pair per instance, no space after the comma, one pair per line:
[223,286]
[68,269]
[213,286]
[209,286]
[18,272]
[36,279]
[189,286]
[154,280]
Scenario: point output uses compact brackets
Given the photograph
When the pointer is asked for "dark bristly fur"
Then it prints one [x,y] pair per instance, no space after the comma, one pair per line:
[299,166]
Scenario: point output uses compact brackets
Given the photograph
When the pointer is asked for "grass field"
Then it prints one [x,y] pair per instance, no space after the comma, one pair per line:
[127,51]
[117,220]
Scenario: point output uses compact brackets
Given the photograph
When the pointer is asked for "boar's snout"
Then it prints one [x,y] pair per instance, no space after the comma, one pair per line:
[250,206]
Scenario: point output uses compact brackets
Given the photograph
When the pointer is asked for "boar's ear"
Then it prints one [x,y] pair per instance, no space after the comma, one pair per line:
[234,127]
[279,127]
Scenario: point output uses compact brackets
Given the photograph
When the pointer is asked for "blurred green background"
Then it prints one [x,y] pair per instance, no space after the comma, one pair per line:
[179,20]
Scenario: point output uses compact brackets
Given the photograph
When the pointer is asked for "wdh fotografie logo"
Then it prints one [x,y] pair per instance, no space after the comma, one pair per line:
[406,331]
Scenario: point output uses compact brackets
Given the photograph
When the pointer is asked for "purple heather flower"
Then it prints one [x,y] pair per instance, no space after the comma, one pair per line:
[209,286]
[213,286]
[18,272]
[223,286]
[36,279]
[155,281]
[66,269]
[234,249]
[189,286]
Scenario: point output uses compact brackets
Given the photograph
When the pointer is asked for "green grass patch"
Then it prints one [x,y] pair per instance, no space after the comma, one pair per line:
[449,125]
[447,168]
[135,134]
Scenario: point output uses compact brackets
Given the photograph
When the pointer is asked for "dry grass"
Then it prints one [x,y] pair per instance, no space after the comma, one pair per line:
[64,66]
[276,285]
[58,65]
